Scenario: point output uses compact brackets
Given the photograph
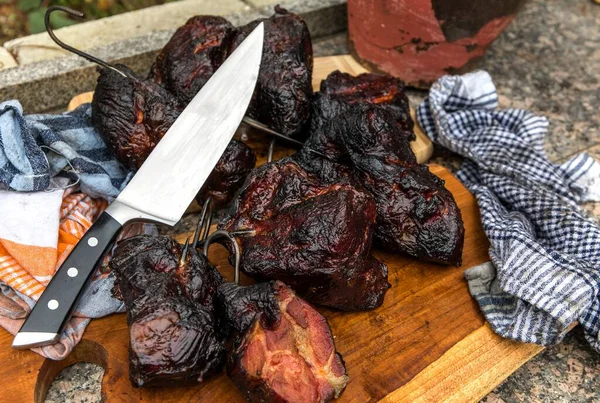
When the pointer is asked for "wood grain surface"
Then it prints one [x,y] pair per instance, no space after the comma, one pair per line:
[428,342]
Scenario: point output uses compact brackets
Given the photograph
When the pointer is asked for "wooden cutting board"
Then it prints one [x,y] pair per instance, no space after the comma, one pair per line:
[428,342]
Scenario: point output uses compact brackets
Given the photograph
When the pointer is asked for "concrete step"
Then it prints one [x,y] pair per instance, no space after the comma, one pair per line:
[48,84]
[6,59]
[102,32]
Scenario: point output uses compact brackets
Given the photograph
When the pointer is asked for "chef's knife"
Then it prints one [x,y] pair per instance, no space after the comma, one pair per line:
[162,188]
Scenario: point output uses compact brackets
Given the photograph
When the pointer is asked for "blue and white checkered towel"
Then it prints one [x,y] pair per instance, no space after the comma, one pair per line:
[35,148]
[545,254]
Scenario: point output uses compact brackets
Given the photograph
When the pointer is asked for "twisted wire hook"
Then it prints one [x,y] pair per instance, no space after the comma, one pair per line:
[71,49]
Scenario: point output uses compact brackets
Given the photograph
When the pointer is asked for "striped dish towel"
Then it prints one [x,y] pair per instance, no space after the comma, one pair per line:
[544,272]
[35,148]
[38,230]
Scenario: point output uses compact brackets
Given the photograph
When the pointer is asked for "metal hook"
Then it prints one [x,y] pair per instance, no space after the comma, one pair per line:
[184,252]
[203,226]
[71,49]
[260,126]
[271,149]
[225,234]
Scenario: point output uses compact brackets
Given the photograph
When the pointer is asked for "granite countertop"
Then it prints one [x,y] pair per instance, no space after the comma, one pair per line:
[547,61]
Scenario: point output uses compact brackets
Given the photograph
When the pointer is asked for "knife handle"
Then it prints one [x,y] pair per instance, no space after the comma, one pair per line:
[51,312]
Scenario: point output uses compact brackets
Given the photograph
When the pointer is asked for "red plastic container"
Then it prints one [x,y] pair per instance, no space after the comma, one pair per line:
[421,40]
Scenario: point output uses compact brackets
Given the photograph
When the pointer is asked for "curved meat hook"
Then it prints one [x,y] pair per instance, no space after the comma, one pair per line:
[71,49]
[236,248]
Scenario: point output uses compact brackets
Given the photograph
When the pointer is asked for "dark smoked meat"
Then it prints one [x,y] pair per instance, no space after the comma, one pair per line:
[282,96]
[285,353]
[415,213]
[229,174]
[385,91]
[238,306]
[133,115]
[192,55]
[170,312]
[316,238]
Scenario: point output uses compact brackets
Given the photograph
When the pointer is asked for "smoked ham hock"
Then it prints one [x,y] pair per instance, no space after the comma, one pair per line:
[283,350]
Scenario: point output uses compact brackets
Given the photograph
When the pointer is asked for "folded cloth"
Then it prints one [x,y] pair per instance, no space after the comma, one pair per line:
[37,232]
[545,253]
[35,148]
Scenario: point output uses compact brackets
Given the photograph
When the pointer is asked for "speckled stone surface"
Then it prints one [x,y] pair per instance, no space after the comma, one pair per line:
[77,384]
[547,61]
[568,372]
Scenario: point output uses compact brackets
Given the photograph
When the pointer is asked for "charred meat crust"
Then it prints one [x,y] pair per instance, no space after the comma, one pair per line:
[385,92]
[291,359]
[415,213]
[229,174]
[133,115]
[180,314]
[192,55]
[170,312]
[282,96]
[315,237]
[238,306]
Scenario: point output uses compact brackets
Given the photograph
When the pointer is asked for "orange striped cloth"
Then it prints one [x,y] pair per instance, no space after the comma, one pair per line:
[28,267]
[38,230]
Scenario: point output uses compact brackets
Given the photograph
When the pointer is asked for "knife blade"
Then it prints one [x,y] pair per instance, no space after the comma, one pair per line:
[162,188]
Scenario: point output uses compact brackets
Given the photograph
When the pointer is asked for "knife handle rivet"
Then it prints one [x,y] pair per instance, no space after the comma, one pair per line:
[53,304]
[93,241]
[72,272]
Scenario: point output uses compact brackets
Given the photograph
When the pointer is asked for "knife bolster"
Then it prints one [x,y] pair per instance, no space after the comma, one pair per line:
[123,213]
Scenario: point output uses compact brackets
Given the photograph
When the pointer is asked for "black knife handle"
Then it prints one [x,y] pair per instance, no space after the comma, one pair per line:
[53,309]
